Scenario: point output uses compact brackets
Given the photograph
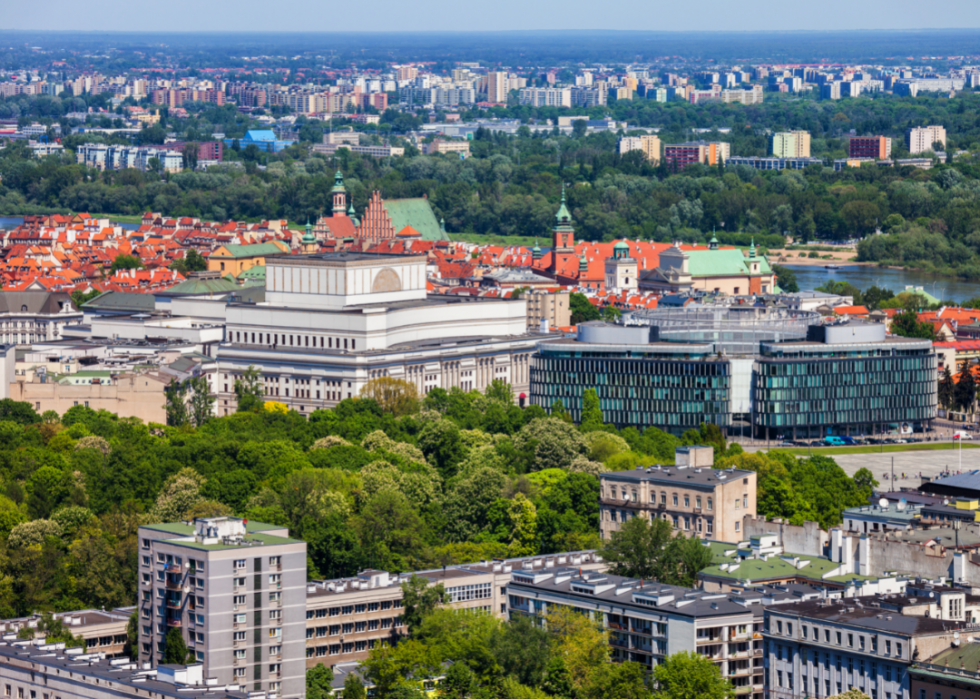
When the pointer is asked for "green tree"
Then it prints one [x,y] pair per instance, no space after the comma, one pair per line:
[353,688]
[641,549]
[582,310]
[500,390]
[125,262]
[965,391]
[202,401]
[175,650]
[419,600]
[176,396]
[18,411]
[192,261]
[318,682]
[688,675]
[907,324]
[946,389]
[248,390]
[786,279]
[591,412]
[610,313]
[395,396]
[459,683]
[621,680]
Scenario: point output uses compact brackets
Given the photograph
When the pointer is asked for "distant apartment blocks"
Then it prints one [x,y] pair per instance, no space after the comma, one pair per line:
[921,139]
[791,144]
[878,147]
[546,96]
[649,145]
[103,157]
[679,155]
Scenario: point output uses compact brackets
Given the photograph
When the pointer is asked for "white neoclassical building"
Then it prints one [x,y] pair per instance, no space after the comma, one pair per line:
[33,316]
[333,321]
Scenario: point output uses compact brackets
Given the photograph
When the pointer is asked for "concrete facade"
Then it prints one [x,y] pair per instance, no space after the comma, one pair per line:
[129,395]
[237,592]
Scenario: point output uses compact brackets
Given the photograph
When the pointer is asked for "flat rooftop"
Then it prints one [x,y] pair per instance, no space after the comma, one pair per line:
[678,475]
[856,611]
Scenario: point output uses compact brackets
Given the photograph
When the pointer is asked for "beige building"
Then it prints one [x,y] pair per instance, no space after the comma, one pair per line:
[552,307]
[621,269]
[346,618]
[441,146]
[497,85]
[920,139]
[129,395]
[695,498]
[791,144]
[648,144]
[104,632]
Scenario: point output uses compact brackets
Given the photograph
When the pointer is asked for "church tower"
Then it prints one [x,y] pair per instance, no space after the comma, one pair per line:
[339,195]
[563,238]
[308,242]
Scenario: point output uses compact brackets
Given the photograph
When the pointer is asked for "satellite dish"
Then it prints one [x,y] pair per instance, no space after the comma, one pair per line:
[902,503]
[883,503]
[946,501]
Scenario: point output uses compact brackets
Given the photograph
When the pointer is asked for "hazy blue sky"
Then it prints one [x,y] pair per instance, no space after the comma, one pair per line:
[421,15]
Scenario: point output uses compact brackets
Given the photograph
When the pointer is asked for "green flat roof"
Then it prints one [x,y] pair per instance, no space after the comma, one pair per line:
[757,569]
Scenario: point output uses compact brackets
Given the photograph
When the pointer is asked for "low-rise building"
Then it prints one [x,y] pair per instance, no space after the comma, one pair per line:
[103,631]
[235,259]
[126,395]
[552,307]
[697,499]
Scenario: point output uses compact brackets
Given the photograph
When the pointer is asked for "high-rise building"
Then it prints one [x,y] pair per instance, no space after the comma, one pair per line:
[879,147]
[922,138]
[546,96]
[830,91]
[649,144]
[497,87]
[236,590]
[791,144]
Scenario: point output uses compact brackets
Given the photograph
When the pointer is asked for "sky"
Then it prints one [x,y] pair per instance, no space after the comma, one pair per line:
[497,15]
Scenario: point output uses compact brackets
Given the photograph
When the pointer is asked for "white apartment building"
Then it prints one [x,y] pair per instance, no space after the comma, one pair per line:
[546,96]
[648,144]
[237,592]
[331,322]
[920,139]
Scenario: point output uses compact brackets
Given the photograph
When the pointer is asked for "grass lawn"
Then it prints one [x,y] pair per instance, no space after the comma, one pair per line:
[485,239]
[875,448]
[120,218]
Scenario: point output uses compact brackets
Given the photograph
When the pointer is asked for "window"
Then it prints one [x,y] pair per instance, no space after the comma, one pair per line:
[779,627]
[850,640]
[888,647]
[687,500]
[675,499]
[240,654]
[709,504]
[898,650]
[738,526]
[803,629]
[838,638]
[239,635]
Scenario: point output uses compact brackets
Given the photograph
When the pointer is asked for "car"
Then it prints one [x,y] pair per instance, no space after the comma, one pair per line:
[834,441]
[962,435]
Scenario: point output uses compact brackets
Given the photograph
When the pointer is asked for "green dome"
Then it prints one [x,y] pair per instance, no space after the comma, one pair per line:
[583,264]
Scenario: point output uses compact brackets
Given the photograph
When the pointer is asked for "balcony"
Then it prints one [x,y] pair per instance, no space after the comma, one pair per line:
[619,642]
[174,603]
[616,625]
[173,568]
[633,505]
[173,584]
[174,621]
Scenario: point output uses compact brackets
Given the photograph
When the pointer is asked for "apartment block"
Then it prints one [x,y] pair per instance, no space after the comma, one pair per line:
[103,631]
[680,155]
[649,145]
[648,621]
[791,144]
[820,648]
[555,308]
[347,617]
[878,147]
[546,96]
[697,499]
[56,672]
[920,139]
[497,85]
[237,592]
[830,91]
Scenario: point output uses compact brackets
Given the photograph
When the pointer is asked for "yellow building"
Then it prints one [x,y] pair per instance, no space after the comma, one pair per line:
[235,259]
[128,395]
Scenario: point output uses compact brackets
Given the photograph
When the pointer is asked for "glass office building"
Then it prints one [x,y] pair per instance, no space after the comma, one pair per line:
[775,372]
[815,388]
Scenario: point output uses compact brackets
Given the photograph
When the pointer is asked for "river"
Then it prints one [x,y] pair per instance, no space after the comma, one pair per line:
[812,276]
[8,222]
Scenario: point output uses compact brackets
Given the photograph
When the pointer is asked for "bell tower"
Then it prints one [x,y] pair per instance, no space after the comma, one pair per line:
[339,195]
[563,238]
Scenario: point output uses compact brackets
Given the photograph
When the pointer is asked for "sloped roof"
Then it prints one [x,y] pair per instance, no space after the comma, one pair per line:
[721,263]
[255,250]
[195,287]
[257,273]
[416,214]
[35,301]
[122,301]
